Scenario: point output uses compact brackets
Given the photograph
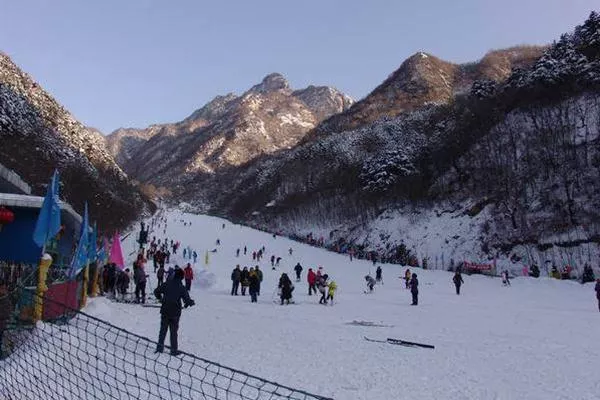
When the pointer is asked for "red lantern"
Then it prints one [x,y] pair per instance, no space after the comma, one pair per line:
[6,216]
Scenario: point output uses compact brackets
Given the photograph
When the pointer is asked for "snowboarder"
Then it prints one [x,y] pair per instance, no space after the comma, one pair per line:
[170,294]
[298,269]
[236,275]
[331,291]
[244,280]
[311,277]
[597,288]
[285,288]
[160,275]
[322,286]
[414,289]
[254,285]
[379,275]
[370,283]
[189,276]
[458,280]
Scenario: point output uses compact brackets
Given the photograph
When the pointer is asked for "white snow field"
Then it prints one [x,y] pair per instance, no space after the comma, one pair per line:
[538,339]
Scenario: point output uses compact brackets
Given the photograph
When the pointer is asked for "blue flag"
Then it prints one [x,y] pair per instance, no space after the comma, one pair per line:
[80,258]
[48,222]
[92,250]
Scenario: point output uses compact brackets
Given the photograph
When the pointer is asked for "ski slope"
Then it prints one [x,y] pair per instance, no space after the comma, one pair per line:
[537,339]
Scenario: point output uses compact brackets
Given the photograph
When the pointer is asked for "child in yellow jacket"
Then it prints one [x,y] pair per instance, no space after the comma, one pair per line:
[332,288]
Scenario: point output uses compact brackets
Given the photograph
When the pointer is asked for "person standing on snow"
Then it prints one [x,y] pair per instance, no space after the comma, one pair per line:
[244,280]
[273,261]
[407,278]
[298,269]
[253,285]
[311,277]
[322,286]
[160,275]
[171,294]
[331,291]
[245,250]
[370,283]
[259,274]
[139,278]
[505,278]
[237,253]
[291,251]
[379,275]
[458,280]
[285,288]
[195,255]
[236,276]
[598,292]
[414,289]
[188,273]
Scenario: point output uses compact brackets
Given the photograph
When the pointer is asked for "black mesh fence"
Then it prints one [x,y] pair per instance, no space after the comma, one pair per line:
[78,356]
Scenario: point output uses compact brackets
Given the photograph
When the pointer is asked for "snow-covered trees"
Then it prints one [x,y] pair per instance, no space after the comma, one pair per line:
[385,170]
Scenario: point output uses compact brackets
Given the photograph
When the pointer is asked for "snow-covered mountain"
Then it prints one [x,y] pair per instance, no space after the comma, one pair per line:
[510,167]
[39,135]
[228,131]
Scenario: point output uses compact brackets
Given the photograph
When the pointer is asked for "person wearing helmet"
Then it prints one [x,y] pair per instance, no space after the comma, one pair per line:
[414,289]
[171,294]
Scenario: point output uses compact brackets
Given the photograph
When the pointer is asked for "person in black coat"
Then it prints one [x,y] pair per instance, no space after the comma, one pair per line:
[244,280]
[253,285]
[236,277]
[414,289]
[458,280]
[597,288]
[298,269]
[286,288]
[171,294]
[160,275]
[379,275]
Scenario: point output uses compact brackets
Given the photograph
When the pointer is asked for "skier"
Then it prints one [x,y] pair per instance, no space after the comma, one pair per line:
[597,288]
[298,269]
[245,250]
[273,261]
[311,277]
[259,274]
[277,261]
[160,275]
[322,286]
[184,253]
[195,255]
[407,278]
[254,285]
[189,276]
[223,226]
[331,291]
[253,256]
[458,280]
[370,283]
[218,242]
[170,294]
[291,251]
[414,289]
[244,280]
[236,275]
[378,275]
[285,288]
[237,253]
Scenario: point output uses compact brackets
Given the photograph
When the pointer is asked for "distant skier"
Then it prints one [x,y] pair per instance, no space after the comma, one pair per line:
[218,242]
[598,292]
[236,275]
[237,253]
[414,289]
[277,261]
[171,294]
[189,276]
[272,261]
[223,226]
[379,275]
[370,283]
[311,277]
[298,270]
[285,288]
[253,256]
[195,255]
[184,253]
[245,250]
[290,251]
[458,280]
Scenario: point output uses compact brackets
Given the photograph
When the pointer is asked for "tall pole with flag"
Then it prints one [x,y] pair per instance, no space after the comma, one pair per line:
[93,259]
[80,258]
[46,227]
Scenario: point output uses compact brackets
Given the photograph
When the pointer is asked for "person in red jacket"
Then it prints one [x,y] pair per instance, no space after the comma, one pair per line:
[188,273]
[312,280]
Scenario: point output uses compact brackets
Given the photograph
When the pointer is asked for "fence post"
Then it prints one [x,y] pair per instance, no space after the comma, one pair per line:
[42,288]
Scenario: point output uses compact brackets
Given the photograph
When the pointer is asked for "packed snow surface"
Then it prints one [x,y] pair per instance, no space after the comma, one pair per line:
[537,339]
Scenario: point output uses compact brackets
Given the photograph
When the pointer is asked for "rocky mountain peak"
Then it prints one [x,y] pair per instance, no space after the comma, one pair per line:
[214,108]
[271,83]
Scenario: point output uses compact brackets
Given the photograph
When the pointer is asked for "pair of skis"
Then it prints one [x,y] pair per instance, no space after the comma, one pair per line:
[400,342]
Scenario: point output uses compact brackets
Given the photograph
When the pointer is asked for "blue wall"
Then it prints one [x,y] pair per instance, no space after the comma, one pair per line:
[16,242]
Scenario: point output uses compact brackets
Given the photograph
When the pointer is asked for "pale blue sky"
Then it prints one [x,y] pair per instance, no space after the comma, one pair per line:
[116,63]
